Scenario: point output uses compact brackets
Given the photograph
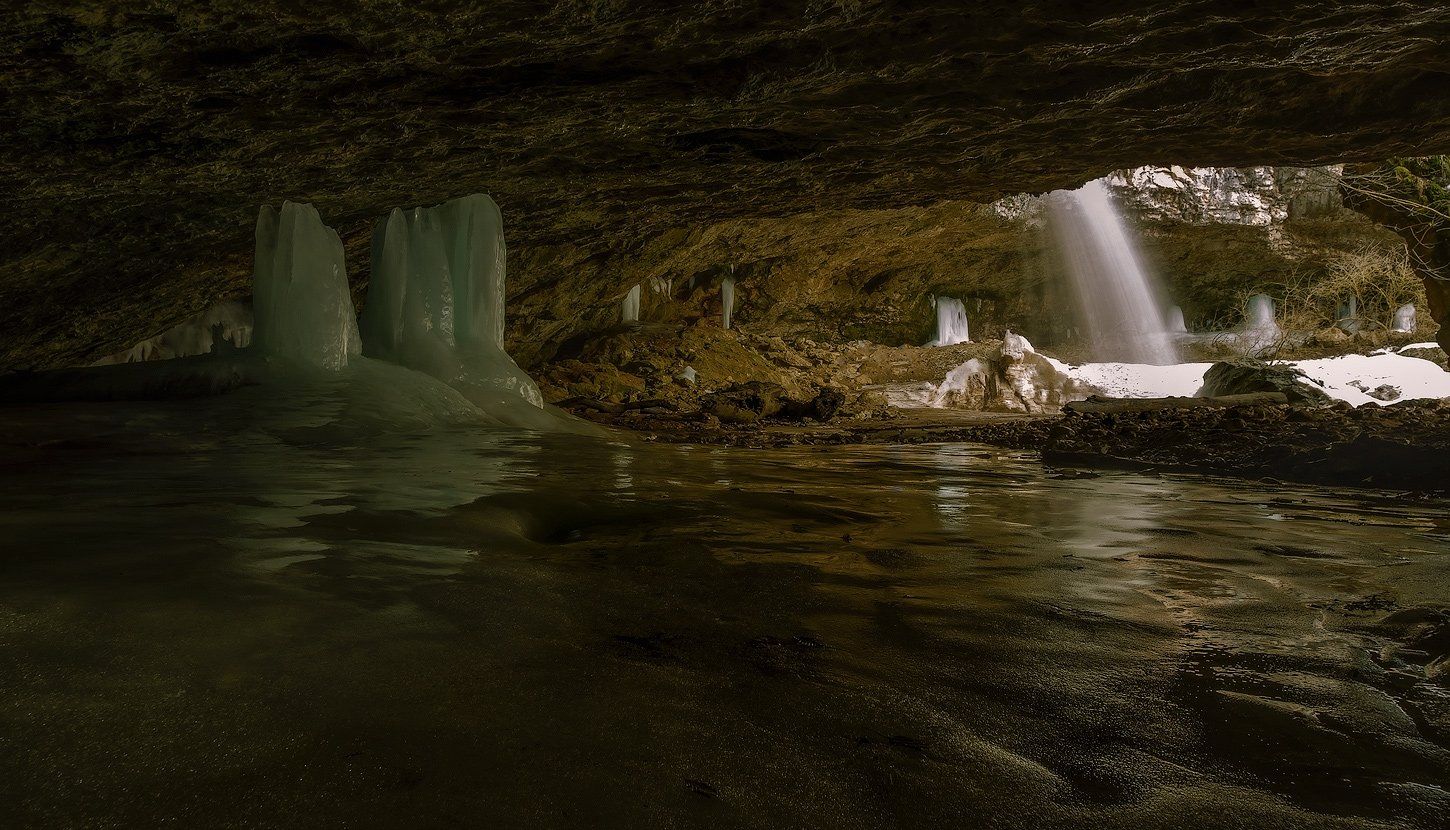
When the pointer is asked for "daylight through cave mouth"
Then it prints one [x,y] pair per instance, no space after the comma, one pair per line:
[833,414]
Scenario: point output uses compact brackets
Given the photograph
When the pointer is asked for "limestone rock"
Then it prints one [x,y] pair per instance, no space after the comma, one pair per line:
[1241,377]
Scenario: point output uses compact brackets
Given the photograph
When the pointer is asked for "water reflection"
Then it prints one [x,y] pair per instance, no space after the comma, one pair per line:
[525,629]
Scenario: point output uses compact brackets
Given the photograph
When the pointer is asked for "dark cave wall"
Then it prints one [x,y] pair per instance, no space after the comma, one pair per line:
[140,138]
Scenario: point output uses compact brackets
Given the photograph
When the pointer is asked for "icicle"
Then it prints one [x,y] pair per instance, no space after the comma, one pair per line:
[629,309]
[727,299]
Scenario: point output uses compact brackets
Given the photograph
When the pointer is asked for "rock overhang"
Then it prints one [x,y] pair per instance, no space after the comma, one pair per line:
[140,144]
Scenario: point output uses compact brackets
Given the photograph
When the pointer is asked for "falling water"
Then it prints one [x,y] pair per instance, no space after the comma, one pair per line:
[727,299]
[1116,301]
[951,322]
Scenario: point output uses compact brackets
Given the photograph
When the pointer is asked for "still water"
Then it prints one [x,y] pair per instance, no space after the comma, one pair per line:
[206,624]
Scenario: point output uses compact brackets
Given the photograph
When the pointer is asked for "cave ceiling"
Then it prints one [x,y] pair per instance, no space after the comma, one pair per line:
[141,137]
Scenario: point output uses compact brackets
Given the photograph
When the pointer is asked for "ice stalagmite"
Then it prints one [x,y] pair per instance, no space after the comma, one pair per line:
[435,303]
[951,322]
[1175,321]
[1349,315]
[1404,318]
[629,308]
[727,300]
[300,298]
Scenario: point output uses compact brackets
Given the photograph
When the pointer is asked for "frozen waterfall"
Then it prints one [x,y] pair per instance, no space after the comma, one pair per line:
[629,308]
[435,303]
[1404,318]
[1175,321]
[951,322]
[300,297]
[1116,300]
[1260,330]
[727,300]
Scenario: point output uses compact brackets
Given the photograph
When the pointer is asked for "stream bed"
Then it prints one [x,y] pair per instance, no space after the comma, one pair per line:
[207,624]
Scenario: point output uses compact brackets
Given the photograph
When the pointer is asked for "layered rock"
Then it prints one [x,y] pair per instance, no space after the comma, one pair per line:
[138,139]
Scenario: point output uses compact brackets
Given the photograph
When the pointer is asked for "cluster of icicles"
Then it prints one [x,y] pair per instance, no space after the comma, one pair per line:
[629,307]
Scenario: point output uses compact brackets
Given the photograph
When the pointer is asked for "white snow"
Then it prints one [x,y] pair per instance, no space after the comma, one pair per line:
[1341,377]
[1349,378]
[1138,380]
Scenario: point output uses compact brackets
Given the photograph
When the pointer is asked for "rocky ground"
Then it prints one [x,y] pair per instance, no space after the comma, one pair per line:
[755,391]
[1404,446]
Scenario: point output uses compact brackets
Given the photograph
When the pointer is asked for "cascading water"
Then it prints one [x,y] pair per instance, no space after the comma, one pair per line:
[951,322]
[1116,300]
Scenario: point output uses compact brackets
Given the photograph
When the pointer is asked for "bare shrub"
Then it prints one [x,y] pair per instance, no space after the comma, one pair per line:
[1378,277]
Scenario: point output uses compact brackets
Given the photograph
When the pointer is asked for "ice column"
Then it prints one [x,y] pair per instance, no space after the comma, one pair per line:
[1175,321]
[951,322]
[1404,318]
[436,299]
[1349,315]
[301,301]
[727,299]
[629,308]
[1260,329]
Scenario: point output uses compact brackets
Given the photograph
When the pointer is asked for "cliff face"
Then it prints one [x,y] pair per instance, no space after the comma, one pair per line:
[1214,236]
[1259,196]
[140,140]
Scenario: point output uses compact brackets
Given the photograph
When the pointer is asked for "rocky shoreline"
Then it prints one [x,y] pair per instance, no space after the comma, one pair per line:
[1402,447]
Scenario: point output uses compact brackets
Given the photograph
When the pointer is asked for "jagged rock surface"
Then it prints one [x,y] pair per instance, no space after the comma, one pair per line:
[138,141]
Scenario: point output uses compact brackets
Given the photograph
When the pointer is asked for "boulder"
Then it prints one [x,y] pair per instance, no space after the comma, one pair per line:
[1243,377]
[823,407]
[744,403]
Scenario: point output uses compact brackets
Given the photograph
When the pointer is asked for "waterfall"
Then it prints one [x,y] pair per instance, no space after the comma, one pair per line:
[727,299]
[629,309]
[951,322]
[1404,318]
[1116,300]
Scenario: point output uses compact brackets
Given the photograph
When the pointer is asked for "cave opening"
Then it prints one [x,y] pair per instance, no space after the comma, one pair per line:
[818,414]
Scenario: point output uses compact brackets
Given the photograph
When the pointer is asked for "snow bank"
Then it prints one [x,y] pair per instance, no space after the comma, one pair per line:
[1351,378]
